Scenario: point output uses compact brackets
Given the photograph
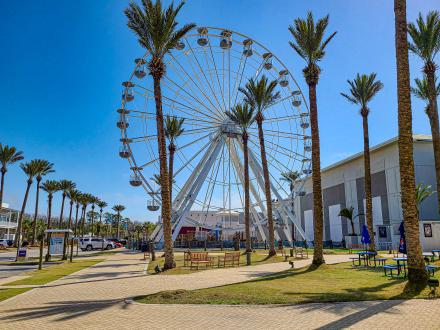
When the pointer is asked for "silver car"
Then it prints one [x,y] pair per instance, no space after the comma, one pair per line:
[94,243]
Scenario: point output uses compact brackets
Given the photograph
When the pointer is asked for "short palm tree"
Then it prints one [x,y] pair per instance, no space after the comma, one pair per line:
[348,213]
[8,156]
[118,209]
[101,204]
[50,187]
[173,129]
[422,193]
[65,187]
[309,43]
[362,90]
[44,168]
[30,170]
[260,95]
[243,116]
[417,276]
[156,29]
[425,36]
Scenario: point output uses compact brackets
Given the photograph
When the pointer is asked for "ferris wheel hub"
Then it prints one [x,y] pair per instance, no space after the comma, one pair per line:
[230,129]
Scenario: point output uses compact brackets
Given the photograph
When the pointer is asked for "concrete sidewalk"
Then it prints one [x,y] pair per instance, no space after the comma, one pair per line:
[93,298]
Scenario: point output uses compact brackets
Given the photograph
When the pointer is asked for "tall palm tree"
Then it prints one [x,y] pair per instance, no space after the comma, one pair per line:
[94,200]
[30,170]
[72,194]
[425,43]
[156,29]
[362,90]
[78,203]
[243,116]
[173,129]
[50,187]
[65,186]
[118,208]
[86,200]
[8,156]
[309,43]
[101,205]
[417,276]
[259,95]
[44,168]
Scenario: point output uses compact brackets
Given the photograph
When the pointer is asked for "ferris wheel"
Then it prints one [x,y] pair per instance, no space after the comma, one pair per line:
[203,75]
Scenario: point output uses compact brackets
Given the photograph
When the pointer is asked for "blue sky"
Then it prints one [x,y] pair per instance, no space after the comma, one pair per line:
[62,63]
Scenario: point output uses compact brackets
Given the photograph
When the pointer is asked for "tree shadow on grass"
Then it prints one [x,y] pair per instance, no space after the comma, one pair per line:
[65,310]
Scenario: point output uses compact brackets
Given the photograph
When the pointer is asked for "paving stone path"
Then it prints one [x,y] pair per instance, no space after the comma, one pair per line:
[94,298]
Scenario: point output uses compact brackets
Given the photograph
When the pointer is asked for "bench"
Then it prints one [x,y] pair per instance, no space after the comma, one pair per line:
[231,258]
[299,252]
[431,269]
[390,268]
[198,258]
[381,261]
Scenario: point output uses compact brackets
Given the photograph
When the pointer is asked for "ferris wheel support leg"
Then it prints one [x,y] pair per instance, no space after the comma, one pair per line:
[283,210]
[239,170]
[194,189]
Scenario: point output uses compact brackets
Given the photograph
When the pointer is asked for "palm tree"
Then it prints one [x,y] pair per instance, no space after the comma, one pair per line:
[8,156]
[86,199]
[173,129]
[425,43]
[118,208]
[259,95]
[362,90]
[101,205]
[422,193]
[348,213]
[50,187]
[94,200]
[65,186]
[43,167]
[30,169]
[243,116]
[309,43]
[78,201]
[156,29]
[417,276]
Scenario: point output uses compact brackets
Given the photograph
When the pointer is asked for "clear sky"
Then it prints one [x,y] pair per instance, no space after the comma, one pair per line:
[62,63]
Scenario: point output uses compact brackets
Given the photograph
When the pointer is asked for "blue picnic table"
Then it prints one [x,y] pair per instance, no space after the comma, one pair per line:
[436,251]
[364,255]
[401,262]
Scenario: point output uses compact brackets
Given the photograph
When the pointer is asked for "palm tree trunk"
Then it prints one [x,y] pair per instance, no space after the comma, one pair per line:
[416,268]
[34,223]
[434,123]
[20,217]
[2,186]
[100,223]
[83,220]
[49,226]
[69,225]
[164,191]
[93,217]
[76,219]
[367,176]
[318,257]
[271,242]
[60,223]
[172,149]
[246,193]
[117,225]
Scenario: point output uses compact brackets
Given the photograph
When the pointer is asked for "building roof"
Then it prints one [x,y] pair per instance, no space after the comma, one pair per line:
[416,138]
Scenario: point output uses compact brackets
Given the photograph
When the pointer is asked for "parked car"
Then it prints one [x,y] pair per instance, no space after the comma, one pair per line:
[93,243]
[5,242]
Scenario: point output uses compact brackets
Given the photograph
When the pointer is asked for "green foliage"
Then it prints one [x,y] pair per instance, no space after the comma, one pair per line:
[243,115]
[30,168]
[43,167]
[362,90]
[423,192]
[308,37]
[9,155]
[421,90]
[51,187]
[425,36]
[66,186]
[156,27]
[260,94]
[173,127]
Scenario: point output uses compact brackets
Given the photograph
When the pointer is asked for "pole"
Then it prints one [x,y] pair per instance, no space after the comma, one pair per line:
[40,260]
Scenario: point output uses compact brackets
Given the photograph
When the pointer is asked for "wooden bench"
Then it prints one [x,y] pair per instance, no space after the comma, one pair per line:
[231,258]
[198,258]
[299,252]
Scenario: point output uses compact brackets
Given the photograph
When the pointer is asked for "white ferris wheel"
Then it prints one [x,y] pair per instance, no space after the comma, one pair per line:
[203,74]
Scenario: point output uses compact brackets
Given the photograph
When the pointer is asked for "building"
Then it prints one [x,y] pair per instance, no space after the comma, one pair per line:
[8,221]
[343,186]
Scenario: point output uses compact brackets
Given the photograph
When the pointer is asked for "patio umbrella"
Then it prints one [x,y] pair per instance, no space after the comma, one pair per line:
[402,244]
[365,239]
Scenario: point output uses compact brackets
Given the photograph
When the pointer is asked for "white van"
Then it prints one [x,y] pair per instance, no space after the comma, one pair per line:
[95,243]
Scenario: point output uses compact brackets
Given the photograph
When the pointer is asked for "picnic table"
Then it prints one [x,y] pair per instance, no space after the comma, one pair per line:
[401,262]
[436,251]
[366,256]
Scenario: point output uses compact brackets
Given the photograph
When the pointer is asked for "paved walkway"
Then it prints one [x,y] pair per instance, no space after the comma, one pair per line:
[94,299]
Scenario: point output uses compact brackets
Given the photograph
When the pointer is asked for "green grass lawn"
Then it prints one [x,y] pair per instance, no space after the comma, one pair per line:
[258,258]
[8,293]
[328,283]
[52,273]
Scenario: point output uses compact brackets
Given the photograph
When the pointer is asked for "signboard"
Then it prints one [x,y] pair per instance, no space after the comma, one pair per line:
[56,243]
[427,228]
[22,254]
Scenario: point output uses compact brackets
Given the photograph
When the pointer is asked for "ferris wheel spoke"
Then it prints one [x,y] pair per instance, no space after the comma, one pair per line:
[213,183]
[192,157]
[280,146]
[193,95]
[239,83]
[216,72]
[283,118]
[211,87]
[272,157]
[152,115]
[236,178]
[279,101]
[288,135]
[202,90]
